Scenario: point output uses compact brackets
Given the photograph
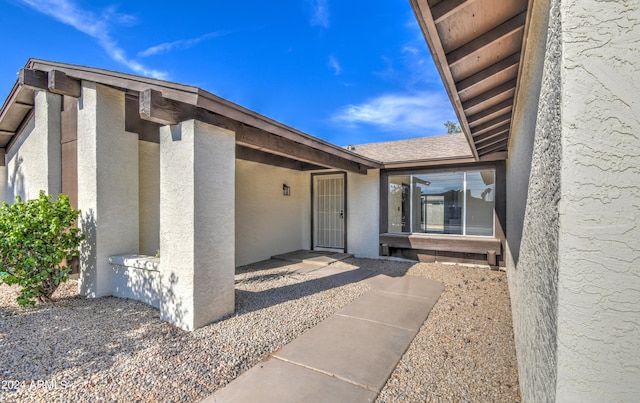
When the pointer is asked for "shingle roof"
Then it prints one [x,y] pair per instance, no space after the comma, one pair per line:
[422,148]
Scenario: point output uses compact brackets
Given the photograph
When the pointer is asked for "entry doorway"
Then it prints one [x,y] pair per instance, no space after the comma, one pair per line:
[329,212]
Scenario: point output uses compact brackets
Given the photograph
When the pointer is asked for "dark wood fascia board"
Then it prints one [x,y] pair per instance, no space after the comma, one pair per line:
[11,99]
[472,165]
[423,14]
[181,92]
[445,243]
[510,27]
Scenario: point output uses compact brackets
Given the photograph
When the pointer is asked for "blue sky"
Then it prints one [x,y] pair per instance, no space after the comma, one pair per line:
[346,71]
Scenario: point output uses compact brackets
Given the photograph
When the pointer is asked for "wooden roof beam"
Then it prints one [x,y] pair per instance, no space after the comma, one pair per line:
[493,123]
[446,8]
[34,79]
[60,83]
[509,86]
[164,111]
[253,137]
[252,154]
[510,62]
[500,146]
[491,141]
[54,81]
[497,109]
[158,109]
[510,27]
[492,133]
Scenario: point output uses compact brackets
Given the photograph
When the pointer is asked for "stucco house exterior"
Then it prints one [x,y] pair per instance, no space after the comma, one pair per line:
[543,181]
[158,166]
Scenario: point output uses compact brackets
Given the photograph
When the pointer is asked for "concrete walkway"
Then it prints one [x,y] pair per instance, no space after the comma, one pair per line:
[349,356]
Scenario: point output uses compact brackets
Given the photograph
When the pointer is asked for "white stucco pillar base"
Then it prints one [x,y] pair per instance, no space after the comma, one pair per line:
[107,186]
[197,223]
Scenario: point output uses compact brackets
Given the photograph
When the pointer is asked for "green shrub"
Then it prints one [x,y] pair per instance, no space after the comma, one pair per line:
[36,237]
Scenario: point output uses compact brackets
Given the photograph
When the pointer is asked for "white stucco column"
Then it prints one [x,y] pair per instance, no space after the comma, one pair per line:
[197,223]
[34,161]
[107,186]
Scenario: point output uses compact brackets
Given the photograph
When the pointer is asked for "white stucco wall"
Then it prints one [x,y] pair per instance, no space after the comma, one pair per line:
[149,178]
[107,186]
[533,181]
[34,162]
[599,250]
[363,214]
[267,222]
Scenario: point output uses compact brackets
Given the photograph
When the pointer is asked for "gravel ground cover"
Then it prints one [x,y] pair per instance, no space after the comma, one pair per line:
[113,349]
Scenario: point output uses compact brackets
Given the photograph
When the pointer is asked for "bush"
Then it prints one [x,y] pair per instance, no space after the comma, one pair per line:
[36,236]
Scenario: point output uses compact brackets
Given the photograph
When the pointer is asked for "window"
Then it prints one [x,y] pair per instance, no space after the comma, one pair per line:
[451,203]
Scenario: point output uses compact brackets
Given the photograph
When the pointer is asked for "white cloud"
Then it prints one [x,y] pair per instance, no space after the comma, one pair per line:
[335,65]
[179,44]
[410,112]
[320,13]
[410,49]
[66,12]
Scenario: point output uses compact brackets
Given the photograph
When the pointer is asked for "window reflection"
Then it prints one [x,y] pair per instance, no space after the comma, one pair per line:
[455,203]
[440,203]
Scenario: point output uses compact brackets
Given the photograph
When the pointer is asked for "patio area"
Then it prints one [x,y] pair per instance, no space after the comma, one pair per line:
[119,350]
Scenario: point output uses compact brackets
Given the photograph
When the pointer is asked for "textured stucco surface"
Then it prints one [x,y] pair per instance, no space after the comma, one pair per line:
[267,222]
[34,161]
[136,283]
[533,191]
[197,223]
[149,178]
[107,186]
[599,278]
[363,214]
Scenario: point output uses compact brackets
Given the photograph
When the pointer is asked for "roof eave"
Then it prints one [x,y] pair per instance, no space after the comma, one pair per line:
[425,20]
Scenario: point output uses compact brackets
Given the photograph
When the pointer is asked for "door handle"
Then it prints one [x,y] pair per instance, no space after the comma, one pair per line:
[341,214]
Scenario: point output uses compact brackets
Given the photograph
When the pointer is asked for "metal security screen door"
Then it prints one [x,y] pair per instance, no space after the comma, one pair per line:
[328,211]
